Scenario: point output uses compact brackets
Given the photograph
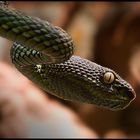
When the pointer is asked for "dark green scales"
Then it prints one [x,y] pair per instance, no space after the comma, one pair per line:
[44,54]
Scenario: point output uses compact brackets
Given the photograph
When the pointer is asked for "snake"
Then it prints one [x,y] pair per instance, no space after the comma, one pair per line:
[44,53]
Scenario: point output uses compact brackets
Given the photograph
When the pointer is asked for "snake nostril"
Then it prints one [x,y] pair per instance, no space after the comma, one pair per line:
[132,94]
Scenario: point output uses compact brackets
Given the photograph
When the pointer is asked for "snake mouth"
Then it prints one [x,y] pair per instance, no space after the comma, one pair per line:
[115,104]
[126,94]
[119,101]
[120,105]
[126,97]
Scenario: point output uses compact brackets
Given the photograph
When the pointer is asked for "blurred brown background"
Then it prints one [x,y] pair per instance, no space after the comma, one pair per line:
[104,32]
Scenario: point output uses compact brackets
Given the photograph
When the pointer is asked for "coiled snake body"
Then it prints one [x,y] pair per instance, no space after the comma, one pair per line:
[44,54]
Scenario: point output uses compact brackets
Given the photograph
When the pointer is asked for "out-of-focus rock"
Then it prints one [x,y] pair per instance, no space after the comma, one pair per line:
[115,134]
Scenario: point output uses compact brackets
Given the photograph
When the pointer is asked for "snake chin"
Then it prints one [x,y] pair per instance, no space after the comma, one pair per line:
[116,100]
[124,98]
[120,106]
[115,105]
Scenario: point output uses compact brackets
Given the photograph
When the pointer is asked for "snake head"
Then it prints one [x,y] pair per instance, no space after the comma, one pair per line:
[115,93]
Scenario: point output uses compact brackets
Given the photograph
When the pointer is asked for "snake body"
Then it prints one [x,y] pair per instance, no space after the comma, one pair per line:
[44,53]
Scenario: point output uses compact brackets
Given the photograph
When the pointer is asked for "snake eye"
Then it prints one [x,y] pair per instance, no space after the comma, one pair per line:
[109,77]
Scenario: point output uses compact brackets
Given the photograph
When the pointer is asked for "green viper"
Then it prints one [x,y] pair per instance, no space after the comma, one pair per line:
[44,54]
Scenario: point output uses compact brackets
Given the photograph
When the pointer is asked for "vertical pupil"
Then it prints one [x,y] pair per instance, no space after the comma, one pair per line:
[108,77]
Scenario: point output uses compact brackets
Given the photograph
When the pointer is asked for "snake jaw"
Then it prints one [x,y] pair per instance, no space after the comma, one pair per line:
[116,102]
[126,96]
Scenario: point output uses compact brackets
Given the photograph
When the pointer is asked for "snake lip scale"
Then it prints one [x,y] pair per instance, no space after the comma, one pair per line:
[44,54]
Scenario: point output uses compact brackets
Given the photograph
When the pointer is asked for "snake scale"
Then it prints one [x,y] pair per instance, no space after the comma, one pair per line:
[44,54]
